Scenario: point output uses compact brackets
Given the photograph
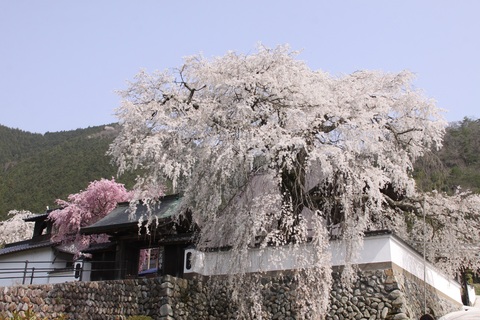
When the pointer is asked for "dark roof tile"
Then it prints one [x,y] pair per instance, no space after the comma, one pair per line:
[120,216]
[23,246]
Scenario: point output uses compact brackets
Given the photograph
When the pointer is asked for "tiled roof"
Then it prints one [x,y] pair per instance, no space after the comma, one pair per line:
[26,245]
[36,217]
[99,247]
[120,216]
[41,216]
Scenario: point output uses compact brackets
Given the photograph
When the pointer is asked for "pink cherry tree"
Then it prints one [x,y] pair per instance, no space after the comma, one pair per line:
[85,208]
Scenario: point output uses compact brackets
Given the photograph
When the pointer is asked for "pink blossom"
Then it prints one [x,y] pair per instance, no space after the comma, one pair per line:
[85,208]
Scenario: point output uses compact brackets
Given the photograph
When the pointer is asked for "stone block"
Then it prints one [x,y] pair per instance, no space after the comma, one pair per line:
[166,310]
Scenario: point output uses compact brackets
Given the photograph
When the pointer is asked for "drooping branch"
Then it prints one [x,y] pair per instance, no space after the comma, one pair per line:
[321,145]
[406,205]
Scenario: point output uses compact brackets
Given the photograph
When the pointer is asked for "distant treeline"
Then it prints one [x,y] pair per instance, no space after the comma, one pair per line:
[37,169]
[456,164]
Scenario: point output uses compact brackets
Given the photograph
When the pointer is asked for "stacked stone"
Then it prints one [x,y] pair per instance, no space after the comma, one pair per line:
[188,300]
[375,295]
[36,298]
[96,300]
[280,300]
[171,290]
[417,294]
[196,299]
[86,300]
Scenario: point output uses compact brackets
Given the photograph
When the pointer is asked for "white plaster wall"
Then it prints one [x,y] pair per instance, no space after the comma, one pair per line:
[255,260]
[411,261]
[86,269]
[388,248]
[471,295]
[375,249]
[42,259]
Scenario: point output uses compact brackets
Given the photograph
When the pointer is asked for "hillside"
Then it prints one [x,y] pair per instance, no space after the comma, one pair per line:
[456,164]
[38,169]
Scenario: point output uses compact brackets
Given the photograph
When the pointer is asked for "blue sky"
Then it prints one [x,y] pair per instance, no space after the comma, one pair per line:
[61,61]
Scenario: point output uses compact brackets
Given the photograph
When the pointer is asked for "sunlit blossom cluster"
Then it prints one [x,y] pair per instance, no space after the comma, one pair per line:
[268,152]
[15,228]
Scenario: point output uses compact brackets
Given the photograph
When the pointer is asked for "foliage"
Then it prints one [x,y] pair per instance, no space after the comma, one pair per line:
[29,314]
[85,208]
[457,163]
[450,230]
[15,228]
[139,318]
[269,152]
[453,170]
[14,143]
[37,169]
[477,288]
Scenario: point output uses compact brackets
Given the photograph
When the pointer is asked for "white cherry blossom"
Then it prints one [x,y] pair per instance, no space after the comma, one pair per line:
[268,152]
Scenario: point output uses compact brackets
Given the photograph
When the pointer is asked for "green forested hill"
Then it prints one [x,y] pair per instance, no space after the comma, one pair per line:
[456,164]
[38,169]
[16,144]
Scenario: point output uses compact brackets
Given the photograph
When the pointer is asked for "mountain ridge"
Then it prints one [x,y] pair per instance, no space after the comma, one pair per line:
[36,169]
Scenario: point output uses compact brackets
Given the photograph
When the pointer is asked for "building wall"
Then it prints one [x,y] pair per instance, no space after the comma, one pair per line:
[40,261]
[377,249]
[380,292]
[389,286]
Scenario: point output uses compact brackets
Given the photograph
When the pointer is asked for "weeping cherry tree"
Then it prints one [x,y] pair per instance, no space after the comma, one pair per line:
[83,209]
[269,153]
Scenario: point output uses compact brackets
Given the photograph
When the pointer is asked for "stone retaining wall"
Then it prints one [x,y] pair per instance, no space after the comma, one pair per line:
[389,293]
[379,293]
[91,300]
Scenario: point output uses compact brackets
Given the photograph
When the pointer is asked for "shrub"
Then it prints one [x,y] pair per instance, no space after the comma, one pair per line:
[29,314]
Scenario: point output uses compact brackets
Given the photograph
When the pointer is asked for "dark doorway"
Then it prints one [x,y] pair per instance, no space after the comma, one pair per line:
[103,266]
[174,260]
